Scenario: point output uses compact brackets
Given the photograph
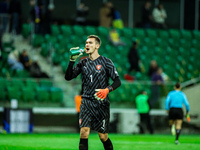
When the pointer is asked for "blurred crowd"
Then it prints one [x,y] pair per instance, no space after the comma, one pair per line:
[41,19]
[10,13]
[154,72]
[41,15]
[153,18]
[19,61]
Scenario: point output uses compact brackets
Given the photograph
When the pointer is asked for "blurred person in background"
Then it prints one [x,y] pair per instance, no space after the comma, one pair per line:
[47,17]
[106,15]
[133,57]
[25,60]
[117,20]
[13,61]
[35,69]
[4,17]
[165,76]
[156,82]
[34,16]
[143,107]
[136,65]
[152,68]
[173,105]
[15,13]
[114,38]
[37,14]
[159,15]
[146,15]
[81,14]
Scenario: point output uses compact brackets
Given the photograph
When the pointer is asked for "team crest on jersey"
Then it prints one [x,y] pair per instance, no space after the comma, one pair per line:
[98,67]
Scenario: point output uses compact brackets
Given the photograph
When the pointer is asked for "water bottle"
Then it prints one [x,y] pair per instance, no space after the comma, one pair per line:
[77,51]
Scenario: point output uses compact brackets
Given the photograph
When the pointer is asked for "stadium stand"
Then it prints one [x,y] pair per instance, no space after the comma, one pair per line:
[158,43]
[55,30]
[30,90]
[168,47]
[19,85]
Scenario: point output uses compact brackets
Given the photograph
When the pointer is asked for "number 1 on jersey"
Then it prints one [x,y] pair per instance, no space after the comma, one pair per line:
[91,78]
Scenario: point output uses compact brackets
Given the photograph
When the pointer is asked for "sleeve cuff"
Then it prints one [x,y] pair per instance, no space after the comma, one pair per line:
[110,88]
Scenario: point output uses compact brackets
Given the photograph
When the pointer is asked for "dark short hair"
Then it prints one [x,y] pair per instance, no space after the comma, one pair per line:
[97,39]
[142,91]
[177,85]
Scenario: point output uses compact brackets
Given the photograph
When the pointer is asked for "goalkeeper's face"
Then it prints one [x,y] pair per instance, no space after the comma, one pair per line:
[91,46]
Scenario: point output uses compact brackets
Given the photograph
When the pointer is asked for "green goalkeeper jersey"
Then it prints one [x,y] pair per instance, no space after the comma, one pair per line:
[142,103]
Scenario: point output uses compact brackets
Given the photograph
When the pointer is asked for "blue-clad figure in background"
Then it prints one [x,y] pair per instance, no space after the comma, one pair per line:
[174,107]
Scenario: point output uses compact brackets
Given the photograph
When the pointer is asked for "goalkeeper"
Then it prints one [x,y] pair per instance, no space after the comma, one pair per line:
[95,71]
[173,105]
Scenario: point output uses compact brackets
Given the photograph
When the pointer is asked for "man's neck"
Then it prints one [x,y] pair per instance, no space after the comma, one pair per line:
[94,56]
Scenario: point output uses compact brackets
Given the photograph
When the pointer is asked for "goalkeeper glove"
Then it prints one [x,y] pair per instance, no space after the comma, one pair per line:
[101,94]
[74,57]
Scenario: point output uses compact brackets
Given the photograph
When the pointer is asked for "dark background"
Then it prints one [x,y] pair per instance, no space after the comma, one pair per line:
[65,11]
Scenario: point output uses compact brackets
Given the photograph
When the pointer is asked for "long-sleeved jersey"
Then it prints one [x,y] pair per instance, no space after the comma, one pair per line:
[95,74]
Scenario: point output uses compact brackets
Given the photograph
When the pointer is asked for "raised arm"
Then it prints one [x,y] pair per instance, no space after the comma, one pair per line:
[69,71]
[73,72]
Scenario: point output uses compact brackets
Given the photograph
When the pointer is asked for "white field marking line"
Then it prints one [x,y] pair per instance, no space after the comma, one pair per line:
[158,143]
[126,142]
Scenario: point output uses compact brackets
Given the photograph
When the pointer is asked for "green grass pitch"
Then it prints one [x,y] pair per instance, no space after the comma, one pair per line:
[120,142]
